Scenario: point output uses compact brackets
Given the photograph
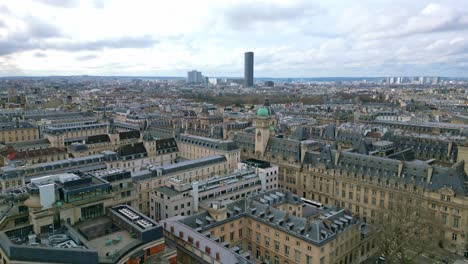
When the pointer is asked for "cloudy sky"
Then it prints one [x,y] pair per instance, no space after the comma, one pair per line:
[290,38]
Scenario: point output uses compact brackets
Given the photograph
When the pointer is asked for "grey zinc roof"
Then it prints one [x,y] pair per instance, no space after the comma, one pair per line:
[167,191]
[384,169]
[14,125]
[226,145]
[314,231]
[176,167]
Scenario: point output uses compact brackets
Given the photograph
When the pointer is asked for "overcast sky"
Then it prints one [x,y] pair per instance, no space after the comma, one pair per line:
[290,38]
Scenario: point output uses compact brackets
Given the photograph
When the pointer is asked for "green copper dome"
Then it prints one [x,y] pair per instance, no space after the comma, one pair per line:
[262,111]
[272,128]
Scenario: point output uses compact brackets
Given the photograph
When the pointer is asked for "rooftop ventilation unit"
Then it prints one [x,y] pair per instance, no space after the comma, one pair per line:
[144,223]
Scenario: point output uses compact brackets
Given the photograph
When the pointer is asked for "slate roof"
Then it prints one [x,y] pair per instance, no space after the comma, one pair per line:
[166,144]
[386,169]
[129,134]
[97,139]
[177,167]
[226,145]
[132,149]
[14,125]
[317,231]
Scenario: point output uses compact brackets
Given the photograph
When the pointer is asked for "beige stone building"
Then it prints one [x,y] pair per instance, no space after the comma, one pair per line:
[17,132]
[64,136]
[259,230]
[195,147]
[188,171]
[365,184]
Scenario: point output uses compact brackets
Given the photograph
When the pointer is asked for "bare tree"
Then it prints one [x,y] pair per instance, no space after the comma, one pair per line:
[406,229]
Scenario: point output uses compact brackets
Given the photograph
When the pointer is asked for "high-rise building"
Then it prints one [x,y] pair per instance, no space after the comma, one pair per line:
[194,77]
[248,69]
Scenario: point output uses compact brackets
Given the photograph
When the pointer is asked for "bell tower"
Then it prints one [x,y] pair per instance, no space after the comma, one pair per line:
[262,130]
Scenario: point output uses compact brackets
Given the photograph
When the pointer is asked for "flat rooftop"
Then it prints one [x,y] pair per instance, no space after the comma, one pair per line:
[109,245]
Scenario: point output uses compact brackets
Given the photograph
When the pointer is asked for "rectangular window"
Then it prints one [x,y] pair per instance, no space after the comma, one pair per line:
[456,222]
[297,255]
[444,219]
[322,260]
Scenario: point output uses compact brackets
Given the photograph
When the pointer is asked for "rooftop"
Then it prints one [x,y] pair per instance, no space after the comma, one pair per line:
[16,125]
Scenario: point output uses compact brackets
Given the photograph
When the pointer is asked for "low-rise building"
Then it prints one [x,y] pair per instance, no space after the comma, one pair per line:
[195,147]
[11,132]
[189,171]
[256,230]
[64,136]
[178,197]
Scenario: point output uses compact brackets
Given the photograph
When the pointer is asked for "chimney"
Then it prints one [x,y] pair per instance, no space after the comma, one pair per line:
[430,169]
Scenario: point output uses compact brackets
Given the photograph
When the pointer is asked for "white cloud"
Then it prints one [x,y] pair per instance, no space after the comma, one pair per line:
[289,38]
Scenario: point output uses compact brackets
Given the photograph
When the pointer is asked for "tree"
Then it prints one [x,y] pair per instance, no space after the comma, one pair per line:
[406,229]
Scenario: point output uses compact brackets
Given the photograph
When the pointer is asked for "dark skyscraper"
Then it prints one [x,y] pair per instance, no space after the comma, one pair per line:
[248,69]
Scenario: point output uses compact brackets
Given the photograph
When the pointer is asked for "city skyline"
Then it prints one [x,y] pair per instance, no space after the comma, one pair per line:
[296,39]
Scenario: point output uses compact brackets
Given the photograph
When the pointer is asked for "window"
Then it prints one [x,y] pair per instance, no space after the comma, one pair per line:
[277,245]
[267,256]
[322,260]
[454,237]
[276,260]
[456,221]
[444,219]
[231,236]
[308,259]
[297,255]
[267,241]
[286,250]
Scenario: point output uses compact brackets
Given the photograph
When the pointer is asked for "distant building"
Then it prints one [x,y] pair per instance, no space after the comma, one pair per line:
[269,84]
[214,81]
[12,132]
[195,77]
[248,69]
